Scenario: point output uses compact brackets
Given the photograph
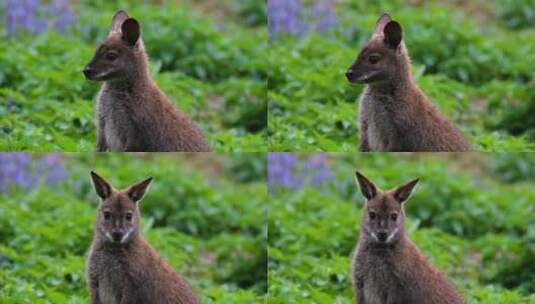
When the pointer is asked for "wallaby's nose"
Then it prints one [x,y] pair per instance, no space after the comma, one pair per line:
[88,71]
[350,75]
[117,236]
[381,236]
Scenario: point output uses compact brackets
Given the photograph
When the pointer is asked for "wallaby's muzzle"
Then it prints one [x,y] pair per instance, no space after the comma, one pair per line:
[89,72]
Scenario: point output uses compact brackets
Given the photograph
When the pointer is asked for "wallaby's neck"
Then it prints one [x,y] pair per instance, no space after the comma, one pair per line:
[139,79]
[400,82]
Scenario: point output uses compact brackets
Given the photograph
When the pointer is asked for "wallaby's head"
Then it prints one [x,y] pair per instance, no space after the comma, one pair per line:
[383,219]
[118,214]
[378,60]
[116,58]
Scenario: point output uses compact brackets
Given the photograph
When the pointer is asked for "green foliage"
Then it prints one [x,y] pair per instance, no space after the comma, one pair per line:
[467,221]
[215,75]
[480,76]
[208,226]
[516,13]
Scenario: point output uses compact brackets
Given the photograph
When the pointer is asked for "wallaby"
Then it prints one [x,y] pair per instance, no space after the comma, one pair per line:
[395,115]
[122,267]
[133,114]
[387,266]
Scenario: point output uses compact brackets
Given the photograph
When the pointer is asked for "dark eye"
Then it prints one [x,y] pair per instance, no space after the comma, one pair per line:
[107,215]
[372,215]
[129,217]
[374,58]
[111,56]
[394,216]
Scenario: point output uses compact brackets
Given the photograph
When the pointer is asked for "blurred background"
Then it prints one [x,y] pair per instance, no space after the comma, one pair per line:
[473,215]
[205,214]
[473,58]
[208,56]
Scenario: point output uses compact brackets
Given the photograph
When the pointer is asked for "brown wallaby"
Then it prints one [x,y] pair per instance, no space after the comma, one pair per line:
[133,114]
[387,266]
[122,267]
[395,115]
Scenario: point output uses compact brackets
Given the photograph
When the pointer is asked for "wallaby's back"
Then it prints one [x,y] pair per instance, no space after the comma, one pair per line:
[394,114]
[405,122]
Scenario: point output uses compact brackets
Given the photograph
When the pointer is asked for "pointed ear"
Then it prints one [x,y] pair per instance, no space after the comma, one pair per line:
[393,34]
[102,187]
[402,193]
[367,188]
[130,31]
[137,191]
[381,23]
[118,20]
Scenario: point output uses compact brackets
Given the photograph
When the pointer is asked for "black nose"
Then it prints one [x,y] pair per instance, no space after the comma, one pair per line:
[381,236]
[350,75]
[117,236]
[88,71]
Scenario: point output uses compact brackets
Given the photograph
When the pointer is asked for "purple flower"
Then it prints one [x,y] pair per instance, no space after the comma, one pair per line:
[285,16]
[62,14]
[324,15]
[23,170]
[292,17]
[24,14]
[286,170]
[281,172]
[317,169]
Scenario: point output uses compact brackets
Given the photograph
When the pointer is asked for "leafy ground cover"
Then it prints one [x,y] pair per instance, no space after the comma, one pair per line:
[474,60]
[214,68]
[205,214]
[472,215]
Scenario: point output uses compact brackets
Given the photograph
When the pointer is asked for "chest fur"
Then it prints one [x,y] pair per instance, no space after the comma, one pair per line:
[382,281]
[116,276]
[115,115]
[380,116]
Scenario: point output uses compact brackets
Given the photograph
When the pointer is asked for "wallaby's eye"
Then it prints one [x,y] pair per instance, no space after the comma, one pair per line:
[374,58]
[129,216]
[372,215]
[111,56]
[107,215]
[394,216]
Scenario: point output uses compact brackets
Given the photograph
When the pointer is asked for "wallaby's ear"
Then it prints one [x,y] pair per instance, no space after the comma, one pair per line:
[402,193]
[381,23]
[130,31]
[393,34]
[118,20]
[367,188]
[101,186]
[137,191]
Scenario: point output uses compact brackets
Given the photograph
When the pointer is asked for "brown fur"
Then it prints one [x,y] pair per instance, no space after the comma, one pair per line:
[395,115]
[387,267]
[133,114]
[122,267]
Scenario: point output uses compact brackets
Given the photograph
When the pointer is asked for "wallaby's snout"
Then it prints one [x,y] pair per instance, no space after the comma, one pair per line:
[89,72]
[381,236]
[116,236]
